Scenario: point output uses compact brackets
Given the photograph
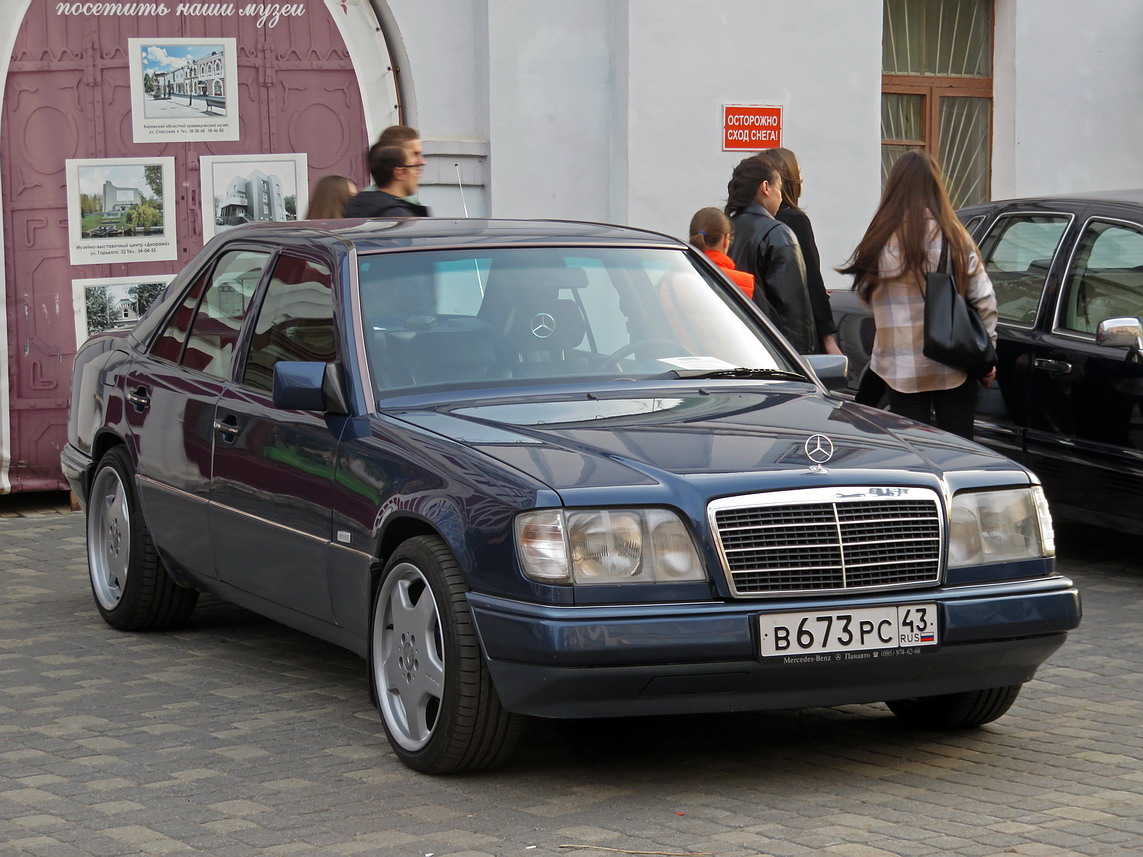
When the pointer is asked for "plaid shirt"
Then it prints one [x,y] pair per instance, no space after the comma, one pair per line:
[898,307]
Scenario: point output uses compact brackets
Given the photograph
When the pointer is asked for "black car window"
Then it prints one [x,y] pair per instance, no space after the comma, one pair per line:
[223,306]
[973,223]
[1106,277]
[1018,255]
[295,321]
[518,315]
[169,346]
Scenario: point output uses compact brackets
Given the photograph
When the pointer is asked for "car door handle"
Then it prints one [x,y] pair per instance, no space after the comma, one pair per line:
[228,426]
[1054,367]
[139,398]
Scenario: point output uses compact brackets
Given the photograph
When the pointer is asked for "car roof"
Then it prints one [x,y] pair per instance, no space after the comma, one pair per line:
[1132,196]
[428,232]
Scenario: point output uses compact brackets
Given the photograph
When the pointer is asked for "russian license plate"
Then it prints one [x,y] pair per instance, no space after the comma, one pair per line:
[857,630]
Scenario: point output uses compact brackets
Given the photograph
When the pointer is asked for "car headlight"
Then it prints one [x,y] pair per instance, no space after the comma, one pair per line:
[594,546]
[999,526]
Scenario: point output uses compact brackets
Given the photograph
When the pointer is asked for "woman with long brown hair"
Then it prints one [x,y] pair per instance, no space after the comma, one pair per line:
[331,194]
[902,244]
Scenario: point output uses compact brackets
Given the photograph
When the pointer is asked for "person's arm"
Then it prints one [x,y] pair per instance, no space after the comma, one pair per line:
[983,299]
[784,282]
[981,294]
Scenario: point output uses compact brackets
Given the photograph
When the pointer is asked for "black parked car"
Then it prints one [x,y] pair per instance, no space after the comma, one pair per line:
[551,469]
[1068,400]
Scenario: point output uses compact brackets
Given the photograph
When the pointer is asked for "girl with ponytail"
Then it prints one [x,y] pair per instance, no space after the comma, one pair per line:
[768,250]
[710,233]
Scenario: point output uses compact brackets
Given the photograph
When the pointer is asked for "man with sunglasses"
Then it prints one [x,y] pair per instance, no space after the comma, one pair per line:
[396,176]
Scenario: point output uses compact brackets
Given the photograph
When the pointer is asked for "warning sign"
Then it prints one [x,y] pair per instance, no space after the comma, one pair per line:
[751,126]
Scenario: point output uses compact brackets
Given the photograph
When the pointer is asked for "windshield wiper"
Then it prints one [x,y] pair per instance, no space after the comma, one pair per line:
[738,372]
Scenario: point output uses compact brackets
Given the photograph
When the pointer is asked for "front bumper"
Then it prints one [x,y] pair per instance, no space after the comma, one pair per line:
[626,660]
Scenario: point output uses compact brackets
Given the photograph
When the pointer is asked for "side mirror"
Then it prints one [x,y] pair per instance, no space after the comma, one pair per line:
[305,386]
[831,369]
[1126,332]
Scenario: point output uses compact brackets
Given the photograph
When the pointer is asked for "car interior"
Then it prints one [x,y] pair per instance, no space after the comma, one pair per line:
[530,314]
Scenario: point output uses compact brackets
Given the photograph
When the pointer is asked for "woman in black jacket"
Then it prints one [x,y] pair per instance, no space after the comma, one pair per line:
[790,214]
[769,250]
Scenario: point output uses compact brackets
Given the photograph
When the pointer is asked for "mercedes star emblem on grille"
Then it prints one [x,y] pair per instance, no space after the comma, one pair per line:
[819,448]
[543,325]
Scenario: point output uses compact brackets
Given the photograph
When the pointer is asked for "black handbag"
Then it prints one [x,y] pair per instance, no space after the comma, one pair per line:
[955,334]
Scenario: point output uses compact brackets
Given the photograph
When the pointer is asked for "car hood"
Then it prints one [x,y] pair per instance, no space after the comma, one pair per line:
[720,438]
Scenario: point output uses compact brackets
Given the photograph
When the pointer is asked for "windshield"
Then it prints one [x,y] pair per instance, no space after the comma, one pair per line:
[519,316]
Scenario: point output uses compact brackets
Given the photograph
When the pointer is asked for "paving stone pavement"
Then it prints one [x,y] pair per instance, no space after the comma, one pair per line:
[237,736]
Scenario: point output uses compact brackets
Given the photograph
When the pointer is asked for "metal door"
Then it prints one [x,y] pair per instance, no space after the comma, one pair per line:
[67,95]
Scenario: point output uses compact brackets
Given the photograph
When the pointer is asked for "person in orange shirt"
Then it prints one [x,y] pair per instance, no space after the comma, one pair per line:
[710,233]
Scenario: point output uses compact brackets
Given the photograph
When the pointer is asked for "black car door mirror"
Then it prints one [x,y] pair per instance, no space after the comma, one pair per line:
[306,386]
[831,369]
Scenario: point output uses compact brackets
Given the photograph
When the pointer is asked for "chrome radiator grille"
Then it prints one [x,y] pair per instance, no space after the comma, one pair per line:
[829,540]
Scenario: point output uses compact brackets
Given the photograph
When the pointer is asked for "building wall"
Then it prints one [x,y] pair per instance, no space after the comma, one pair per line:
[611,109]
[1069,85]
[685,65]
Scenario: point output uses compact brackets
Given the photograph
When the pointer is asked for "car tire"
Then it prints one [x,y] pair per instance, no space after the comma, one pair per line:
[132,588]
[955,710]
[440,710]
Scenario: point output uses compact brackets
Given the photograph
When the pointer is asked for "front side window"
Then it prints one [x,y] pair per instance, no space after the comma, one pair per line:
[1106,277]
[1018,253]
[295,321]
[515,316]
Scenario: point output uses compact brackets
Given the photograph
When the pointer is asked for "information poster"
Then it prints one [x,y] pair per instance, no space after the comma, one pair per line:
[113,303]
[183,89]
[239,189]
[118,210]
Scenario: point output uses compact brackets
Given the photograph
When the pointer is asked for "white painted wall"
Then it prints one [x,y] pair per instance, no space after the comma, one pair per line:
[819,59]
[550,99]
[1068,93]
[610,109]
[447,44]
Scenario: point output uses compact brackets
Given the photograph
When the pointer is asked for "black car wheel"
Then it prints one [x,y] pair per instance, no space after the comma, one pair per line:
[132,589]
[955,710]
[440,710]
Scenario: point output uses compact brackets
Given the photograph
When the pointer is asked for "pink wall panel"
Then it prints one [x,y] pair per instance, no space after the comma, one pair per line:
[67,95]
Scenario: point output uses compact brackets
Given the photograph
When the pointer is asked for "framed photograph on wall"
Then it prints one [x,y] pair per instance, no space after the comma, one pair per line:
[183,89]
[121,210]
[239,189]
[113,303]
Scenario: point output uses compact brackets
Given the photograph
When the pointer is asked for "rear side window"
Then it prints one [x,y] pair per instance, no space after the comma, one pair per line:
[203,330]
[1018,256]
[1106,277]
[973,224]
[169,346]
[295,321]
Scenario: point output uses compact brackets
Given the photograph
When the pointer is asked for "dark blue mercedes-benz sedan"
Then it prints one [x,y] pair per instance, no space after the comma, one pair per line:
[550,469]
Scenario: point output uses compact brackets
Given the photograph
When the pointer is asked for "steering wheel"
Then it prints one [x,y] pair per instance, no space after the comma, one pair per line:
[618,354]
